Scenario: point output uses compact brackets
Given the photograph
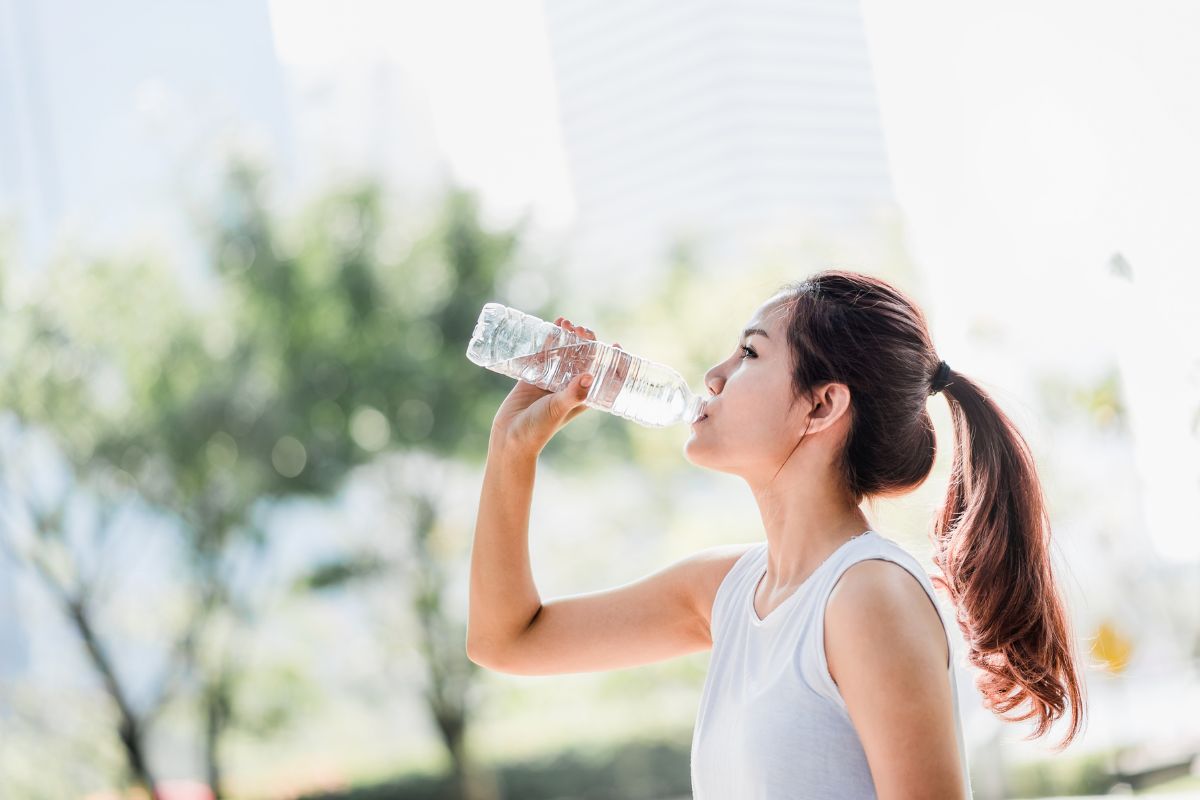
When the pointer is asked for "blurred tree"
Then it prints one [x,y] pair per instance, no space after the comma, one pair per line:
[355,341]
[439,635]
[331,355]
[321,350]
[47,377]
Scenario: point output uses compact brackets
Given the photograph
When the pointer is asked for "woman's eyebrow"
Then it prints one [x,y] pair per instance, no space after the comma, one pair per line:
[746,334]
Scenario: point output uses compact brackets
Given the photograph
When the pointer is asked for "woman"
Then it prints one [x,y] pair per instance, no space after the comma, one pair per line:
[831,673]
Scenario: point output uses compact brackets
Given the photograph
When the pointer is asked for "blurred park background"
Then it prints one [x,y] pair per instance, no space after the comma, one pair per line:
[243,247]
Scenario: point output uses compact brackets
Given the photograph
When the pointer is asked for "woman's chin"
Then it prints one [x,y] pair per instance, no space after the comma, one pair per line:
[693,451]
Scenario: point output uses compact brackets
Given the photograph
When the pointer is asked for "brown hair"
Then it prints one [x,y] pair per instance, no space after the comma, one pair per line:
[991,536]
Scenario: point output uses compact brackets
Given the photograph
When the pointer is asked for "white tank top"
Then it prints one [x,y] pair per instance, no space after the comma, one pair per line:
[772,724]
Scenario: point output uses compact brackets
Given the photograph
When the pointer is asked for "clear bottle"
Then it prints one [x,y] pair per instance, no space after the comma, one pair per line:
[527,348]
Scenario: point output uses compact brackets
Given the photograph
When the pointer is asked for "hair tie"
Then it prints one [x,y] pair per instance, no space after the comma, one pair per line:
[940,378]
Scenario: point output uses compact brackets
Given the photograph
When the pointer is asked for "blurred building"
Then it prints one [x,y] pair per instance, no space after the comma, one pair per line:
[112,113]
[717,119]
[363,118]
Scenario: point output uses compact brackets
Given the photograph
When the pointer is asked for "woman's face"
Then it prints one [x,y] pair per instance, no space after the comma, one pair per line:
[752,426]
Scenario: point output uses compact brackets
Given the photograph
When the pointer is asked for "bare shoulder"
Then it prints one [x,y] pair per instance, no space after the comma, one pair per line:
[883,633]
[709,567]
[878,603]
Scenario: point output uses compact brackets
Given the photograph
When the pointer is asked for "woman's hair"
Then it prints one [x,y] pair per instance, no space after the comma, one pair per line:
[991,536]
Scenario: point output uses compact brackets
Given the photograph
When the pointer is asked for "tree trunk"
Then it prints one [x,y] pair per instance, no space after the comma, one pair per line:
[450,672]
[476,781]
[470,780]
[216,716]
[129,727]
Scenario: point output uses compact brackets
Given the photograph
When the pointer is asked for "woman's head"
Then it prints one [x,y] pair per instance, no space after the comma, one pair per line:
[838,382]
[755,417]
[838,378]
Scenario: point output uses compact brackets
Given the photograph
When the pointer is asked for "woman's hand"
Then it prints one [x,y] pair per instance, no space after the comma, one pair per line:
[530,416]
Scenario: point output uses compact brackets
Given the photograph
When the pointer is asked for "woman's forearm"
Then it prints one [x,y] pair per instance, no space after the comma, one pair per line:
[503,598]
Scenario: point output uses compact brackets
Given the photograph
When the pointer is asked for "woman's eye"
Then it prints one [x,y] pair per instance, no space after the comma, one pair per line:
[749,352]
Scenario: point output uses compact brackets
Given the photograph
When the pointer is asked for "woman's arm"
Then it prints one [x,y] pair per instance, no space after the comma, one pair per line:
[886,650]
[504,598]
[659,616]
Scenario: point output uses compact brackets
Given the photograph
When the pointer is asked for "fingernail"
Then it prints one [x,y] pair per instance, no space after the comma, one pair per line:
[586,381]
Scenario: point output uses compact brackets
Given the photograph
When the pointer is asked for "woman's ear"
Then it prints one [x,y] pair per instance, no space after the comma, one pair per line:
[830,402]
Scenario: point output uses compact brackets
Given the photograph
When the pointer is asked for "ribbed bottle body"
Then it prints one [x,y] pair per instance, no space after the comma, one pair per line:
[527,348]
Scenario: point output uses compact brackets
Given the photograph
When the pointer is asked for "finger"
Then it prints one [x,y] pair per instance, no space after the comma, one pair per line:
[621,365]
[579,329]
[561,403]
[531,387]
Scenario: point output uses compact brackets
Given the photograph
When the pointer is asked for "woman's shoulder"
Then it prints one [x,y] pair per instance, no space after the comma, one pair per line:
[876,545]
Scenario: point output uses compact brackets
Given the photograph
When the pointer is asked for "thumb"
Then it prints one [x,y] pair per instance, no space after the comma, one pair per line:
[572,395]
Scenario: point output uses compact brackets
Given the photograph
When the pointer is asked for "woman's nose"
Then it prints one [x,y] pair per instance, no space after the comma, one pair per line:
[713,381]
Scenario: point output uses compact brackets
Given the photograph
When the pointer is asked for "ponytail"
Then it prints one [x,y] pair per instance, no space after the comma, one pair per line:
[991,540]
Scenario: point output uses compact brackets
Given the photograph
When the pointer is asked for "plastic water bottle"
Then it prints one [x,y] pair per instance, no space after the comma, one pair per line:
[530,349]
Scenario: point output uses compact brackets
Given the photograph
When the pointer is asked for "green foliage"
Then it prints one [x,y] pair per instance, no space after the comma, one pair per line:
[1081,775]
[313,350]
[339,572]
[317,355]
[269,699]
[1099,405]
[635,770]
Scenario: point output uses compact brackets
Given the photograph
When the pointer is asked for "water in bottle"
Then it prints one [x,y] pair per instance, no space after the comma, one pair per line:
[527,348]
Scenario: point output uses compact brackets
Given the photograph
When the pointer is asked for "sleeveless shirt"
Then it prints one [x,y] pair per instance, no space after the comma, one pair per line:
[771,723]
